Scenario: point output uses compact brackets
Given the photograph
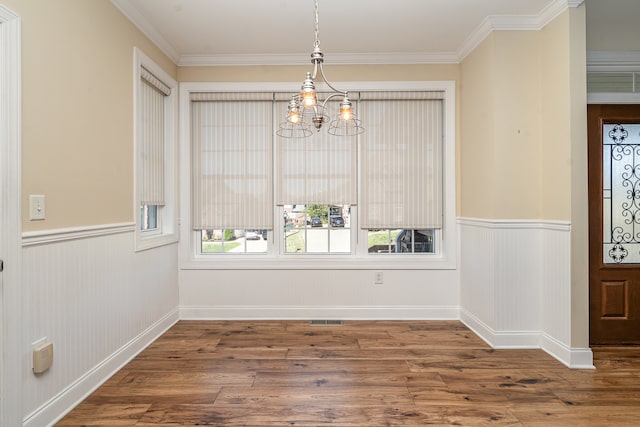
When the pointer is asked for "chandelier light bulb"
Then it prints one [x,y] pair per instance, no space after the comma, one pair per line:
[294,117]
[346,112]
[308,95]
[309,100]
[293,113]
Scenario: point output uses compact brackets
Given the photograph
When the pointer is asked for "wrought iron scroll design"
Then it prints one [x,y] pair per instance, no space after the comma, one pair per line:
[631,182]
[624,194]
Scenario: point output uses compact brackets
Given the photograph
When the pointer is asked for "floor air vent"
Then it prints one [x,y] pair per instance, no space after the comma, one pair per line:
[325,322]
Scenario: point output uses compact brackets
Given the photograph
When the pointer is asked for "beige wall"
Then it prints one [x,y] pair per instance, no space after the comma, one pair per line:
[77,79]
[515,125]
[555,119]
[500,130]
[477,132]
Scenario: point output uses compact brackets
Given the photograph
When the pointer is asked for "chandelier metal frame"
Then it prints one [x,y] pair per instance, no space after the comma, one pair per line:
[305,111]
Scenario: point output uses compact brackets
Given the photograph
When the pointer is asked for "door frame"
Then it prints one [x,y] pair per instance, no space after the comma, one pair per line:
[10,217]
[597,116]
[608,61]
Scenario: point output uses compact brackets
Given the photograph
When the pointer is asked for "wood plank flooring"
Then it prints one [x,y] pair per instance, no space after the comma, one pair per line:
[364,373]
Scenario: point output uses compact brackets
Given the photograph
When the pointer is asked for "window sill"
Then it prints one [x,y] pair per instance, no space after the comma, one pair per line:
[143,244]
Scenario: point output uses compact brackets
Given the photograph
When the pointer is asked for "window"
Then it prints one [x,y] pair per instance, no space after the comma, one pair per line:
[233,241]
[317,229]
[378,198]
[155,102]
[148,217]
[400,241]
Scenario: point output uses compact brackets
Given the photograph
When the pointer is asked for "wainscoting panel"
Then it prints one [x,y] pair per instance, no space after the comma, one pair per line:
[518,274]
[515,285]
[98,302]
[477,272]
[556,282]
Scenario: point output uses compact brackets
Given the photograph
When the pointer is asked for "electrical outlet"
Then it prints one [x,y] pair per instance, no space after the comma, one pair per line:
[42,358]
[378,280]
[36,207]
[42,355]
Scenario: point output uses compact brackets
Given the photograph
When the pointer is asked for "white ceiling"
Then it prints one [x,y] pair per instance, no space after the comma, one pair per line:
[243,32]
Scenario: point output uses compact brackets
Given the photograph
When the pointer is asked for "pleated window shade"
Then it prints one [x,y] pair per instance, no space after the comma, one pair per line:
[320,169]
[153,94]
[401,156]
[232,136]
[152,80]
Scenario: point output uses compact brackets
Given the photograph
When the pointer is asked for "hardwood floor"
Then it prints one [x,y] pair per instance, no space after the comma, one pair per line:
[365,373]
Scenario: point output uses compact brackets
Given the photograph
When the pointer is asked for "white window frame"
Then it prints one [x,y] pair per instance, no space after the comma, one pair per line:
[295,256]
[167,215]
[11,339]
[446,238]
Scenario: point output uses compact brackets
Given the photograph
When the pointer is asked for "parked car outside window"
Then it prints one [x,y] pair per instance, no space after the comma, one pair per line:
[316,222]
[414,241]
[251,235]
[336,221]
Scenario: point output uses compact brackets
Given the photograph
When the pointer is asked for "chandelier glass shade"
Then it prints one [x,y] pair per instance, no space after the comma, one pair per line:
[307,112]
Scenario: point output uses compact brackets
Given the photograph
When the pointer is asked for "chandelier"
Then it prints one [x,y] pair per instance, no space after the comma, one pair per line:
[306,111]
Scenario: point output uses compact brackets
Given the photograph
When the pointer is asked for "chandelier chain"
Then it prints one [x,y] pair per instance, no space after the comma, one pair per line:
[316,43]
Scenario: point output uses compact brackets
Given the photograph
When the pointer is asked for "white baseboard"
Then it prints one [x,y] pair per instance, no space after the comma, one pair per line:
[500,339]
[307,313]
[67,399]
[575,358]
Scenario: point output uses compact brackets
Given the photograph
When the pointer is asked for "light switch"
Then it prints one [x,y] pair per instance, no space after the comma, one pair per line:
[36,207]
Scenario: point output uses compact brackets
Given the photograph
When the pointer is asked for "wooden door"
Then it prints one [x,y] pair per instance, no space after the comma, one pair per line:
[614,224]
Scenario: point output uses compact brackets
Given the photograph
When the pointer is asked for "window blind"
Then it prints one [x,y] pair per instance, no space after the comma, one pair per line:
[320,169]
[401,155]
[152,80]
[232,161]
[152,146]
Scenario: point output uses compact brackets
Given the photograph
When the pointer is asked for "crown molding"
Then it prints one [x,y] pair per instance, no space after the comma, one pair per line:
[488,25]
[514,23]
[333,59]
[143,25]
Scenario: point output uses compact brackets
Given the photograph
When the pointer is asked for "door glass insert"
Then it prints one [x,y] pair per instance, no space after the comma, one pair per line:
[621,193]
